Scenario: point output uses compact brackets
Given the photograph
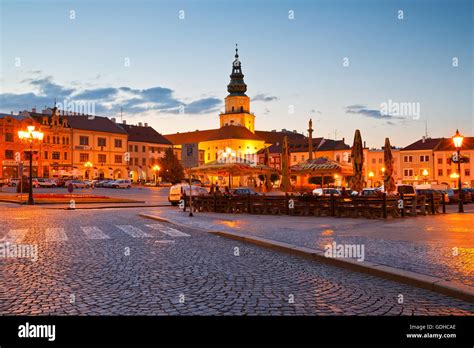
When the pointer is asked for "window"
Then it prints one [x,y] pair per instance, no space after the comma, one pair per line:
[440,161]
[67,140]
[380,160]
[9,154]
[118,143]
[83,157]
[294,158]
[408,172]
[424,158]
[440,172]
[118,159]
[136,148]
[467,172]
[130,148]
[407,159]
[143,148]
[208,156]
[46,155]
[83,140]
[65,156]
[136,161]
[101,142]
[56,155]
[143,161]
[9,137]
[448,172]
[102,158]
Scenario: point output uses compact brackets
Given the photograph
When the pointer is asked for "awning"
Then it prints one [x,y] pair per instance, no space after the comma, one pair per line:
[321,166]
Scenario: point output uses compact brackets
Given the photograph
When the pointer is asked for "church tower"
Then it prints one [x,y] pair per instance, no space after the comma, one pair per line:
[237,103]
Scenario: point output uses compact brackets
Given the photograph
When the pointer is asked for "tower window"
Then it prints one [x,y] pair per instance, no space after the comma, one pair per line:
[241,109]
[232,108]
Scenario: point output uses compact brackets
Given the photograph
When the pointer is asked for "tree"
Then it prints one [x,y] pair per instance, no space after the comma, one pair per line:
[274,177]
[171,169]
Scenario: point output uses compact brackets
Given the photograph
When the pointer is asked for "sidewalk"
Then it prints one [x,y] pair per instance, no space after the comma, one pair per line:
[439,246]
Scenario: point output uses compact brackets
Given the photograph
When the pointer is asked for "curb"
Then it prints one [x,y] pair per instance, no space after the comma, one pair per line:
[434,284]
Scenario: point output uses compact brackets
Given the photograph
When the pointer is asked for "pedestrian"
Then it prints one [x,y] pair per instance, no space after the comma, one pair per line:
[211,190]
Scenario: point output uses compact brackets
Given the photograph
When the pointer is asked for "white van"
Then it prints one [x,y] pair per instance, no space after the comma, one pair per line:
[176,192]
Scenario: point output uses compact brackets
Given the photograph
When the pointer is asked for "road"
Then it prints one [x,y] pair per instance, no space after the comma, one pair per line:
[112,262]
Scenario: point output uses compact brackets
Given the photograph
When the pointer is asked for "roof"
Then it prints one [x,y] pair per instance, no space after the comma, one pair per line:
[447,144]
[272,137]
[94,123]
[424,144]
[144,134]
[16,117]
[301,145]
[225,132]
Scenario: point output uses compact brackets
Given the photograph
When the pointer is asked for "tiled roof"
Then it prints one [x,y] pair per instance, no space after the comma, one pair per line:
[447,144]
[97,123]
[226,132]
[301,145]
[144,134]
[275,137]
[16,117]
[424,144]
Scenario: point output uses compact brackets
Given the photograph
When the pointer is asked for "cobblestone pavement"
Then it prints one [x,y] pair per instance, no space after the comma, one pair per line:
[112,262]
[441,245]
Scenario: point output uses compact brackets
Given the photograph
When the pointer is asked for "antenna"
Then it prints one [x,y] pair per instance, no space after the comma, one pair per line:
[335,134]
[426,128]
[121,114]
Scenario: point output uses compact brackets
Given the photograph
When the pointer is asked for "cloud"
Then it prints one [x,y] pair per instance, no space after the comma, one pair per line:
[263,97]
[362,110]
[106,99]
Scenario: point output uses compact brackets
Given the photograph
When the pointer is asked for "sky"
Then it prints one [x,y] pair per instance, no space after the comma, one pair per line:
[389,68]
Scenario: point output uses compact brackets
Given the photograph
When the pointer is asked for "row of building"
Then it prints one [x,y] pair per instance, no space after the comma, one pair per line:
[100,147]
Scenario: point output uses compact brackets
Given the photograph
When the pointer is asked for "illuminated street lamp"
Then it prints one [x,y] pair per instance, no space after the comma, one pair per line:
[88,166]
[156,168]
[371,176]
[31,137]
[425,175]
[457,140]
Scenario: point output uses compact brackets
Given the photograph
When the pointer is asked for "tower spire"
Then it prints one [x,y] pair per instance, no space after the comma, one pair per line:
[310,139]
[237,85]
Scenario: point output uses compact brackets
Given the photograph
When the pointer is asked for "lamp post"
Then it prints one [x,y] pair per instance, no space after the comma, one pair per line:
[425,175]
[457,140]
[30,136]
[88,166]
[371,176]
[156,168]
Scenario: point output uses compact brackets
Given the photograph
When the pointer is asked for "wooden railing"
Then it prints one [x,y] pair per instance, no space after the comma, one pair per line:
[372,207]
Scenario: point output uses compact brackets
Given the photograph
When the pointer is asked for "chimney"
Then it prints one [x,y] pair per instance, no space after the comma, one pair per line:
[146,124]
[364,144]
[124,121]
[113,119]
[343,140]
[139,124]
[33,110]
[423,139]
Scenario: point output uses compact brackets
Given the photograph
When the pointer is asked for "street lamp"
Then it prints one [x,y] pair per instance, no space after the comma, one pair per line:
[457,140]
[156,168]
[31,137]
[371,176]
[425,175]
[88,166]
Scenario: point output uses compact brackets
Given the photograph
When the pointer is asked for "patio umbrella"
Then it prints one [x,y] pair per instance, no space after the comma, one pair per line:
[285,166]
[357,156]
[266,161]
[388,180]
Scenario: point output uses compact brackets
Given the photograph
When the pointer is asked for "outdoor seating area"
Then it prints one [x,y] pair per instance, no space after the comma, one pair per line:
[379,207]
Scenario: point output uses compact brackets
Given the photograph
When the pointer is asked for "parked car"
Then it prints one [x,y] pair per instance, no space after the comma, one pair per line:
[122,183]
[326,192]
[42,182]
[13,182]
[78,184]
[244,191]
[177,191]
[429,192]
[407,190]
[369,192]
[165,184]
[60,182]
[466,195]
